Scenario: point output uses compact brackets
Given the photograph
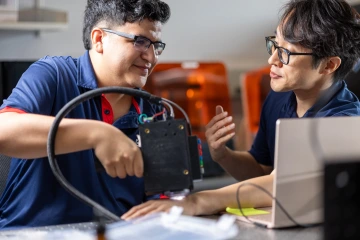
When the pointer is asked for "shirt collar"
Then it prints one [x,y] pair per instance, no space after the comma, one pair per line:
[86,79]
[289,109]
[325,98]
[130,119]
[86,75]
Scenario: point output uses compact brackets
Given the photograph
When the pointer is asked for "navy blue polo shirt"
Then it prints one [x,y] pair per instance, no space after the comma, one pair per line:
[277,105]
[32,196]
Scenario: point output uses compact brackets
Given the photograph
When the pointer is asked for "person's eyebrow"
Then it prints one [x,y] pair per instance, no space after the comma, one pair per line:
[140,35]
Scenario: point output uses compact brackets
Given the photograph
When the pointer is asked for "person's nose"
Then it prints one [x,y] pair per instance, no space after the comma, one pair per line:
[274,59]
[149,55]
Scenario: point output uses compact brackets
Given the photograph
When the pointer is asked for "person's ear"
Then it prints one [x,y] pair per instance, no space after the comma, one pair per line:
[330,65]
[97,36]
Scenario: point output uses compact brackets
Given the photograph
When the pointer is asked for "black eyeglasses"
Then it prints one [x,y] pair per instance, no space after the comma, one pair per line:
[141,44]
[283,53]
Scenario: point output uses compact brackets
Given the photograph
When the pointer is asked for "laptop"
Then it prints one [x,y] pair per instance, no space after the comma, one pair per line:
[301,145]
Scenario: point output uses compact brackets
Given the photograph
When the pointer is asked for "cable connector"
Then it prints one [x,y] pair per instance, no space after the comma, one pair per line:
[143,118]
[101,227]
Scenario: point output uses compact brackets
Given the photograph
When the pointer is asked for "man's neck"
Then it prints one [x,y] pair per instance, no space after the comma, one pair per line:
[120,103]
[305,99]
[304,104]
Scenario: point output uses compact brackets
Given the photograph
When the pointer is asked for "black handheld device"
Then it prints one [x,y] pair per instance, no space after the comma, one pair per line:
[172,158]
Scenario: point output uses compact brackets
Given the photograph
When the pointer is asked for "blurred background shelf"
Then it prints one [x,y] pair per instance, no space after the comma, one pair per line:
[33,26]
[32,18]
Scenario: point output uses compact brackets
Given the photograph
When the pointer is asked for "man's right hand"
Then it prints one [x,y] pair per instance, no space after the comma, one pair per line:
[119,155]
[218,131]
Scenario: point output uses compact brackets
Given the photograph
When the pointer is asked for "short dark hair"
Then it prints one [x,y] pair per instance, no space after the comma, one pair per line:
[119,12]
[327,27]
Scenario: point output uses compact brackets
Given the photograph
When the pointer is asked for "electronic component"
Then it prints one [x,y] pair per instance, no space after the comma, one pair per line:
[171,157]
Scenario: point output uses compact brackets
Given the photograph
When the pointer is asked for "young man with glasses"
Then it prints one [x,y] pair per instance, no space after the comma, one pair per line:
[123,43]
[315,46]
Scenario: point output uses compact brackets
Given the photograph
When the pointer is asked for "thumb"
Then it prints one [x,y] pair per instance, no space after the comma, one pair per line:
[219,109]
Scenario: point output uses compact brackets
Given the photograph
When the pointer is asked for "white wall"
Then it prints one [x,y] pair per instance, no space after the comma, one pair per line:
[230,31]
[19,45]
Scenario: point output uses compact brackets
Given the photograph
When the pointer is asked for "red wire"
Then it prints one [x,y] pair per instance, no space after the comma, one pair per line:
[159,113]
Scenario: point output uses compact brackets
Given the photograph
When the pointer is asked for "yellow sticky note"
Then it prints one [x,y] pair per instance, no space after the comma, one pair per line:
[246,211]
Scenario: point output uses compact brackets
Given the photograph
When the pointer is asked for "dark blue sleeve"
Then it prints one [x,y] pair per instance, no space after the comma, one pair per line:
[260,148]
[36,89]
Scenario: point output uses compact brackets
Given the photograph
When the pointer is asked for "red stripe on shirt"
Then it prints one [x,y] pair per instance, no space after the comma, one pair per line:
[10,109]
[106,110]
[136,105]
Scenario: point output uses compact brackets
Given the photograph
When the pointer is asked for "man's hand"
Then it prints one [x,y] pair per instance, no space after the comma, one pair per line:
[218,131]
[162,205]
[119,155]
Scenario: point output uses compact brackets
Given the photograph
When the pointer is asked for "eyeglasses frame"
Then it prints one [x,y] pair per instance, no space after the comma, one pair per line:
[133,37]
[289,53]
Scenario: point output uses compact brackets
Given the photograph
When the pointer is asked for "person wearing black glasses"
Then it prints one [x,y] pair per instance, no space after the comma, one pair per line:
[123,43]
[315,46]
